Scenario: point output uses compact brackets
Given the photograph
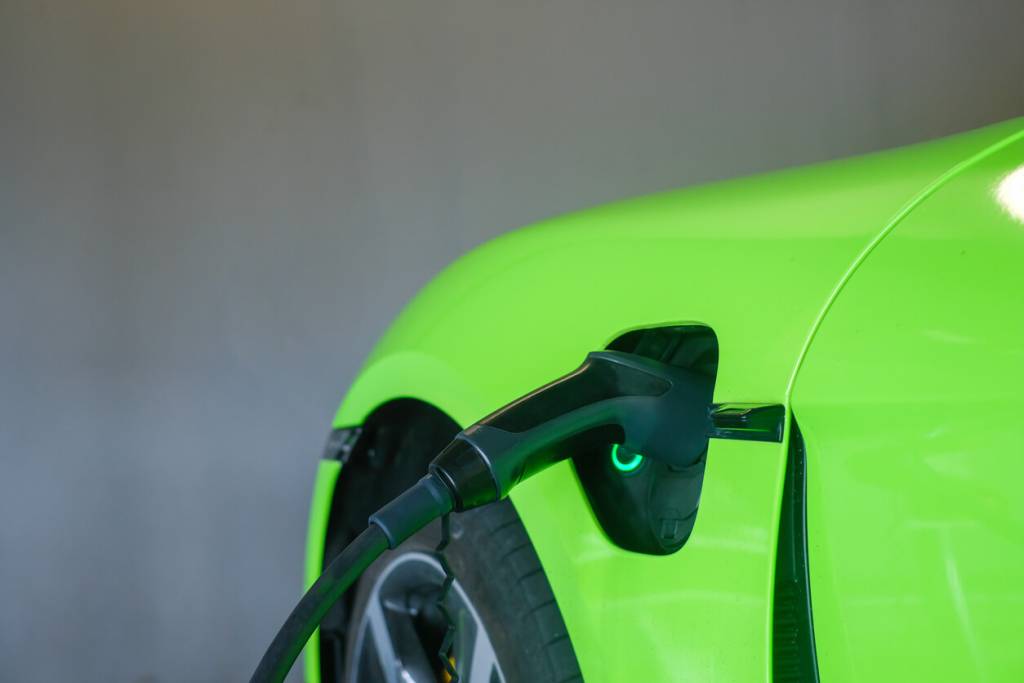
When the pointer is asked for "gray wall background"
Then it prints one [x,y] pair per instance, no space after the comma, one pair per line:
[210,209]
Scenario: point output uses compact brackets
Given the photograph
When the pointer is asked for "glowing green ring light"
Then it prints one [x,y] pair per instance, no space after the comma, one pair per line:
[626,466]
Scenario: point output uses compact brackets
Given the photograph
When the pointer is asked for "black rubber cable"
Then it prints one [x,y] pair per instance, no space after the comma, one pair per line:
[409,512]
[332,584]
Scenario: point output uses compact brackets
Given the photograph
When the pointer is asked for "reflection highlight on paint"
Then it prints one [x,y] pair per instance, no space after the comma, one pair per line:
[1010,193]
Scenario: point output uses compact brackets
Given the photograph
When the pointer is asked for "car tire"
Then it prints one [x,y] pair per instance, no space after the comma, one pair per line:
[496,568]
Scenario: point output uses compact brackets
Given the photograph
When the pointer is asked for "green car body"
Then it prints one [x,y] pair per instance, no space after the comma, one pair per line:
[879,299]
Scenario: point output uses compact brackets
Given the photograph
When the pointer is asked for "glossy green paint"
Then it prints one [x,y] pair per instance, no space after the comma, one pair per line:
[323,494]
[758,260]
[910,405]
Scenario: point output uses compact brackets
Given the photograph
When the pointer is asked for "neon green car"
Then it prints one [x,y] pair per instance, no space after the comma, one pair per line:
[876,302]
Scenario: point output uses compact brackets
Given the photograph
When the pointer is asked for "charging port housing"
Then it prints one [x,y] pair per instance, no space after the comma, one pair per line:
[644,505]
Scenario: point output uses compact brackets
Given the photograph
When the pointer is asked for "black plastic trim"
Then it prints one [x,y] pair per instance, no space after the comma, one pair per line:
[747,421]
[341,443]
[794,659]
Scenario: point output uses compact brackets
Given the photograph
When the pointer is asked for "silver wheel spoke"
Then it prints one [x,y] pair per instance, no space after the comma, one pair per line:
[413,665]
[377,627]
[397,628]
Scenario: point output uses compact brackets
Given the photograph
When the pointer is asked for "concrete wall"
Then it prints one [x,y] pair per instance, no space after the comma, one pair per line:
[210,209]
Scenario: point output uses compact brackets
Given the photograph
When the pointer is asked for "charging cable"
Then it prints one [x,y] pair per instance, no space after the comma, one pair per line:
[613,398]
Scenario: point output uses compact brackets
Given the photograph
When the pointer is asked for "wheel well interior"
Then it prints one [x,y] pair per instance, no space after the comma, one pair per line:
[398,441]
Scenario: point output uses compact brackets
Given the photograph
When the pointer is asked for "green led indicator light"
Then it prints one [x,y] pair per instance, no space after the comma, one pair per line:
[627,465]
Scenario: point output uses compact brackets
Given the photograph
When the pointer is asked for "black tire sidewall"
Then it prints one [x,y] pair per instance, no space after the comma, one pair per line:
[497,567]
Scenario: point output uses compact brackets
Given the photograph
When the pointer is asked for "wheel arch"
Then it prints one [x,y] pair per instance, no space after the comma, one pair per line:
[383,454]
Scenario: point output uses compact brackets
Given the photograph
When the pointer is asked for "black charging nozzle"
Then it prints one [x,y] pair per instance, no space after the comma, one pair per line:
[647,406]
